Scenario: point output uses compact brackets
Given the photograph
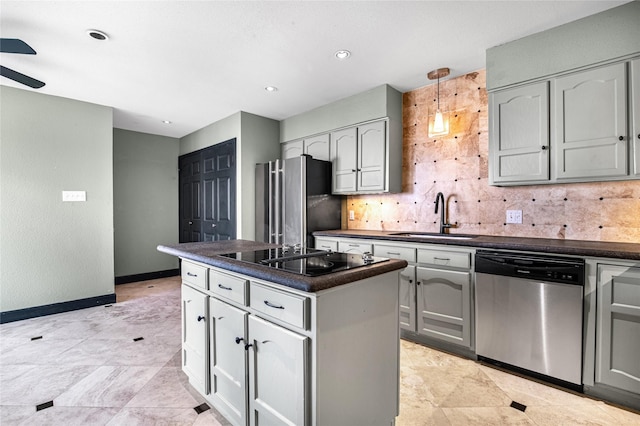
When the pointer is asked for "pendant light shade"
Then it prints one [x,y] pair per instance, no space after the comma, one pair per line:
[438,122]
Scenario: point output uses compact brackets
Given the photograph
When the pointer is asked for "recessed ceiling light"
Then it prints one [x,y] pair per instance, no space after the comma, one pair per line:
[166,121]
[342,54]
[271,89]
[98,35]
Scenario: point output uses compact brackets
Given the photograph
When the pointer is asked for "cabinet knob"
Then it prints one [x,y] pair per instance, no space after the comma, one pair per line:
[544,147]
[200,318]
[620,138]
[190,223]
[238,340]
[213,225]
[247,346]
[353,170]
[638,135]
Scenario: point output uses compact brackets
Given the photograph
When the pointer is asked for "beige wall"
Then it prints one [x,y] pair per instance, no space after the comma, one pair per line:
[457,166]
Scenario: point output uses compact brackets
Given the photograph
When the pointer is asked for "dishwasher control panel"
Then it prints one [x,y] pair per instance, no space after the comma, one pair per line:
[536,267]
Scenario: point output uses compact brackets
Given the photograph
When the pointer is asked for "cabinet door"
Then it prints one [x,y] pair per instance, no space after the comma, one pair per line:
[408,298]
[292,149]
[318,147]
[194,338]
[343,157]
[591,137]
[444,305]
[228,360]
[372,152]
[618,327]
[519,136]
[635,117]
[278,372]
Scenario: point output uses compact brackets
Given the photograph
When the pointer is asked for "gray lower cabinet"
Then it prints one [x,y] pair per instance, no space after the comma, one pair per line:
[264,354]
[519,134]
[354,247]
[618,327]
[194,337]
[443,282]
[591,135]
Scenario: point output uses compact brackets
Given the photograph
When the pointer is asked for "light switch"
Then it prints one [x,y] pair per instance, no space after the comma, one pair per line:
[352,215]
[74,195]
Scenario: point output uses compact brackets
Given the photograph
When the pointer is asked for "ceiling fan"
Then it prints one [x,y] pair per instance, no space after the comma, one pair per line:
[14,45]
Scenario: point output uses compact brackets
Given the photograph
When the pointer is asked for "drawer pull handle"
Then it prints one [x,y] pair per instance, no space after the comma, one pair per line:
[238,340]
[271,305]
[446,259]
[393,253]
[200,318]
[354,245]
[224,288]
[191,275]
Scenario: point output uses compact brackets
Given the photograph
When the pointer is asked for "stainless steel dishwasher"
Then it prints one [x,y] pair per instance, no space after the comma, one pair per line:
[529,314]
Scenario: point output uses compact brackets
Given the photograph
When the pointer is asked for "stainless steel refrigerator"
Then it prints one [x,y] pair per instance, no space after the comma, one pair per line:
[293,199]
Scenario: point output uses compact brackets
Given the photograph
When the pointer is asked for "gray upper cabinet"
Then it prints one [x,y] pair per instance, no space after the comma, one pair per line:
[635,114]
[318,147]
[590,132]
[344,158]
[292,149]
[359,156]
[315,146]
[519,132]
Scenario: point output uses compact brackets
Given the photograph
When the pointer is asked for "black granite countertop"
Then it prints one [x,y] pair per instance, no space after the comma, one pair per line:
[209,253]
[628,251]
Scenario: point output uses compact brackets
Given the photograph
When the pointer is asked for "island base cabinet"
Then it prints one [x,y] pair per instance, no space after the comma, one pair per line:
[618,327]
[228,329]
[194,338]
[278,385]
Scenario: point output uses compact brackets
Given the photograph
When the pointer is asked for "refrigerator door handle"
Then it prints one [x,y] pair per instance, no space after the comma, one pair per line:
[280,209]
[272,203]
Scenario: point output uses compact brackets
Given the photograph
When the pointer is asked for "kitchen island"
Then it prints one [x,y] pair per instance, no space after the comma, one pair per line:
[267,346]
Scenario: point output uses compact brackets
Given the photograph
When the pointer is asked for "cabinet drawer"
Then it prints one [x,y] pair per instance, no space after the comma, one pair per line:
[449,259]
[404,253]
[194,274]
[358,248]
[326,244]
[286,307]
[228,286]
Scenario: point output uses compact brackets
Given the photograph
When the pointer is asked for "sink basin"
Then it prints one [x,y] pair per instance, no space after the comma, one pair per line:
[433,236]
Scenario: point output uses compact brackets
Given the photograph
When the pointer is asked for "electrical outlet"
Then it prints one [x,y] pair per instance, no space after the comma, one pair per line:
[514,216]
[74,195]
[352,215]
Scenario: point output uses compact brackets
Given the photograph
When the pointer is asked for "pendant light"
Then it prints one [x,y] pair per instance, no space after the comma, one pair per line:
[439,124]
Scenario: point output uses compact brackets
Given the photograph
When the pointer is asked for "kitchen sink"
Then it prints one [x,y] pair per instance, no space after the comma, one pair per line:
[426,235]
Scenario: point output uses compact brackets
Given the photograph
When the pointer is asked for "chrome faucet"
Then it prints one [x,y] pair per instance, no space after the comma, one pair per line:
[443,225]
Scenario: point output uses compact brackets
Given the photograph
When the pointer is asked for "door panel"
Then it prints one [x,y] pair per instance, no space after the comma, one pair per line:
[343,157]
[278,387]
[228,359]
[194,337]
[371,156]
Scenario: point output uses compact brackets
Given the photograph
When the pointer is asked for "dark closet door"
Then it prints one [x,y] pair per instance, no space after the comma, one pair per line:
[190,214]
[219,222]
[208,194]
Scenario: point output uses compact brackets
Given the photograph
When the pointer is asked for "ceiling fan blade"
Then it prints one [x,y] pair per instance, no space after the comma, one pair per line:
[20,78]
[15,45]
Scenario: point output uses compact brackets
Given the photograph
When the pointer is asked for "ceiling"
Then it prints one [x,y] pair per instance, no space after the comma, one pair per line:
[196,62]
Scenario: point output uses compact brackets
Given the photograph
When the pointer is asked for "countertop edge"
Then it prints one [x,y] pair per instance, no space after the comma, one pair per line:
[189,251]
[616,250]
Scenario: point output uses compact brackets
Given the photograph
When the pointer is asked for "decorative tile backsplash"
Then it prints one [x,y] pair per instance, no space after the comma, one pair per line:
[456,165]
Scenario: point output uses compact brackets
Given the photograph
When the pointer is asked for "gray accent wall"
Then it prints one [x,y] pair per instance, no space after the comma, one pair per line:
[145,201]
[256,142]
[605,36]
[375,103]
[53,251]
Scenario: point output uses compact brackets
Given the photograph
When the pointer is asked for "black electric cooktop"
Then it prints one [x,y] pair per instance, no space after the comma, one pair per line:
[305,261]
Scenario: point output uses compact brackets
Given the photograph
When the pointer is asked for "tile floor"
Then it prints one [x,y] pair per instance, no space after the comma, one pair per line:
[94,368]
